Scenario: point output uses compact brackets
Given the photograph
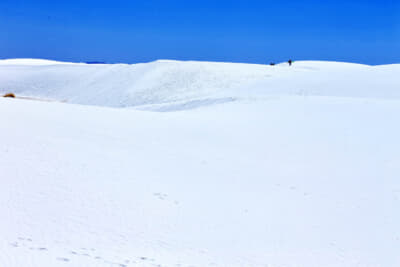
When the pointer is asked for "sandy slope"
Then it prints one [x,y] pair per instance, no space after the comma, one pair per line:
[175,82]
[249,177]
[30,62]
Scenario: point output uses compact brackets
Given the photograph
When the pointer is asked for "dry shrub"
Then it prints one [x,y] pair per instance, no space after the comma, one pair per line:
[9,95]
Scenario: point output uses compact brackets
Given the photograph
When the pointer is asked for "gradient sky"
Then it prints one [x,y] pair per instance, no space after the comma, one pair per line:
[364,31]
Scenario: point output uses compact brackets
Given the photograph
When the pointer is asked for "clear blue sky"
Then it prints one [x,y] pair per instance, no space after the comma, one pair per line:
[365,31]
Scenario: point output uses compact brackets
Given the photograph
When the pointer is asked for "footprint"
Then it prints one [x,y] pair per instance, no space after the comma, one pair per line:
[63,259]
[160,196]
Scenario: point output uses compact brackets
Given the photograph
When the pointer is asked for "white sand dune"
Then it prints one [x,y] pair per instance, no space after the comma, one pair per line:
[256,165]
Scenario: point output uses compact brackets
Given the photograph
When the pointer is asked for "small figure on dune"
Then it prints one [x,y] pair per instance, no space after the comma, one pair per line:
[272,64]
[290,62]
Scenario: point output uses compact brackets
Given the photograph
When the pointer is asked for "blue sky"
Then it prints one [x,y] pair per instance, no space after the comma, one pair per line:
[365,31]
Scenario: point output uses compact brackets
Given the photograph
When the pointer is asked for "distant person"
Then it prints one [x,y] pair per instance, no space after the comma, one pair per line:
[272,64]
[290,62]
